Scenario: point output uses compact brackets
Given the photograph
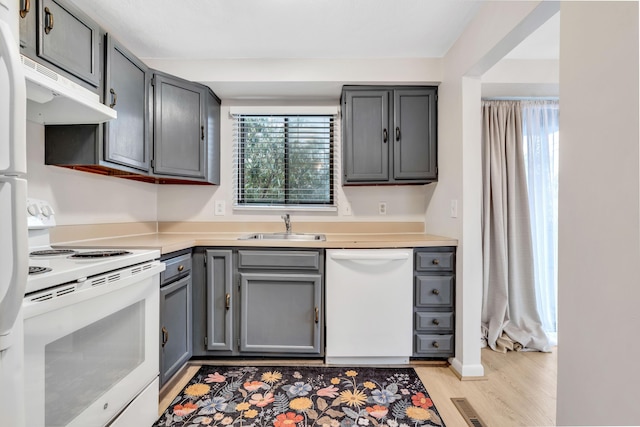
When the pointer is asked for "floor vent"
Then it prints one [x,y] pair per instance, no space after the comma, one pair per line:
[468,413]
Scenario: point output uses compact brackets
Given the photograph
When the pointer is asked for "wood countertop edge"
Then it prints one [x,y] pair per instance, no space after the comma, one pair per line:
[171,242]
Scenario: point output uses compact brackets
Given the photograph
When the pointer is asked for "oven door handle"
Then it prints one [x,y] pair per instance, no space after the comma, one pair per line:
[165,336]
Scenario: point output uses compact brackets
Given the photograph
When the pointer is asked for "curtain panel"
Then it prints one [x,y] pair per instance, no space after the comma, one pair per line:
[510,316]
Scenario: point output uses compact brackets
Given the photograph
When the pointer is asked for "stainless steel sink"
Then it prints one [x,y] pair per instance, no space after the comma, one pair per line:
[301,237]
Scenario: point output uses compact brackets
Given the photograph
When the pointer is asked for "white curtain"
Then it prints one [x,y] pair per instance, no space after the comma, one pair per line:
[510,316]
[540,128]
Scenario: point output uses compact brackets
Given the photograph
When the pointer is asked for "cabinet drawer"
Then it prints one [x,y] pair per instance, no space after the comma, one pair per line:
[434,291]
[176,267]
[434,322]
[434,261]
[436,345]
[279,259]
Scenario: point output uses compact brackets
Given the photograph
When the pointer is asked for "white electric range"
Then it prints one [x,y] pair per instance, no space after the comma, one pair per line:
[91,331]
[50,267]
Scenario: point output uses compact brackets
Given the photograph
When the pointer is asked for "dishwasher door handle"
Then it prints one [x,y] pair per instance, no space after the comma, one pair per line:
[370,256]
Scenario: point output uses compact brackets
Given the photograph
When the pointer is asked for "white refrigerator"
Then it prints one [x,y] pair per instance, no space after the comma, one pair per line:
[14,263]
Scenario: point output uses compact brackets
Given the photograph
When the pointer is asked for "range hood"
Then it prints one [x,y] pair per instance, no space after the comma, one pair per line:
[54,99]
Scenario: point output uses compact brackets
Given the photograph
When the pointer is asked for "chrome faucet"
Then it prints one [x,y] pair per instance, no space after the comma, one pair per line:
[287,223]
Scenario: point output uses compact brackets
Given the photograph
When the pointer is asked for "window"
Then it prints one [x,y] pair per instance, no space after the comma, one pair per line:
[284,160]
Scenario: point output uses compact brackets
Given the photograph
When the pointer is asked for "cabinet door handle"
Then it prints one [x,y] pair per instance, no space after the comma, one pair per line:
[436,344]
[436,322]
[435,292]
[435,261]
[202,132]
[385,136]
[165,336]
[317,315]
[227,301]
[25,8]
[114,98]
[48,20]
[397,134]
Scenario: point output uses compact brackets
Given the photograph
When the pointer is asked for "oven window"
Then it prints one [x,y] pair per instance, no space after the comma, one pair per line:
[82,366]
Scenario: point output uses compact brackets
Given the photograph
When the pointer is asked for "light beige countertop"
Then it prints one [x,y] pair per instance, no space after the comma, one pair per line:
[170,237]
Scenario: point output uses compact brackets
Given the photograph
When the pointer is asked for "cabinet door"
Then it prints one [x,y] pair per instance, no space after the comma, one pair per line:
[280,313]
[126,90]
[414,134]
[220,301]
[366,136]
[179,131]
[213,139]
[175,329]
[69,39]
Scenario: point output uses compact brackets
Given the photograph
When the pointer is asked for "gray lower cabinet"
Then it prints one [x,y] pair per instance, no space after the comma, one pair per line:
[389,135]
[127,139]
[280,312]
[218,302]
[60,34]
[258,302]
[175,314]
[434,302]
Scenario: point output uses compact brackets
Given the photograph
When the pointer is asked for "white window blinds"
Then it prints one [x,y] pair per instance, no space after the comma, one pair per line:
[284,160]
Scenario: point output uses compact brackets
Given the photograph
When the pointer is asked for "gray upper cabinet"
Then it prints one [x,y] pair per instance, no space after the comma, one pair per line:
[414,135]
[127,139]
[69,39]
[389,135]
[179,127]
[366,135]
[60,36]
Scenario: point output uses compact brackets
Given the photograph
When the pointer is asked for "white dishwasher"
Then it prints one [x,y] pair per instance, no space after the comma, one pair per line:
[369,306]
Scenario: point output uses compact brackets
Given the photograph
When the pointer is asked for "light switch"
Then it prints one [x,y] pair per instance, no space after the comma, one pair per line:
[454,208]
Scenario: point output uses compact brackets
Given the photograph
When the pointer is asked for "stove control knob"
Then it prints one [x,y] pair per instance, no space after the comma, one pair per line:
[46,211]
[33,209]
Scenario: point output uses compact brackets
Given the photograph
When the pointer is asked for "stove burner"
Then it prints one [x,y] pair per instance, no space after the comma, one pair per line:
[38,270]
[50,252]
[99,254]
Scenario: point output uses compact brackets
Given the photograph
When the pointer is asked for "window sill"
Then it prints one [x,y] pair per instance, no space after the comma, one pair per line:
[281,208]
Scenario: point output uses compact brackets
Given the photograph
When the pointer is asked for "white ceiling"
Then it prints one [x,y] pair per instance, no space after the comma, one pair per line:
[195,30]
[206,29]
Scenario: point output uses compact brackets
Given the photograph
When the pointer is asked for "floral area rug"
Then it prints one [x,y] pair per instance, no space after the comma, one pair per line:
[302,396]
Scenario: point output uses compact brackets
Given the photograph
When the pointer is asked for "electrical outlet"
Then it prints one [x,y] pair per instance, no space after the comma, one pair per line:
[219,207]
[346,209]
[382,208]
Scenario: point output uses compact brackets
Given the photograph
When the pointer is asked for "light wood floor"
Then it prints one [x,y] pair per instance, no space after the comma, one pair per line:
[519,389]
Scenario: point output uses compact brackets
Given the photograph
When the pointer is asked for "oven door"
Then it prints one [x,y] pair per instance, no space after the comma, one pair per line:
[89,353]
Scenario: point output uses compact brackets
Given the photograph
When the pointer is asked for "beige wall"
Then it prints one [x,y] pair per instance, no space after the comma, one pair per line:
[599,215]
[83,198]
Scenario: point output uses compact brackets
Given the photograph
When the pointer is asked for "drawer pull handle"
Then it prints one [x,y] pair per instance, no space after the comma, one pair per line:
[114,98]
[180,267]
[25,9]
[165,336]
[435,322]
[436,344]
[48,20]
[435,261]
[435,292]
[227,301]
[317,315]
